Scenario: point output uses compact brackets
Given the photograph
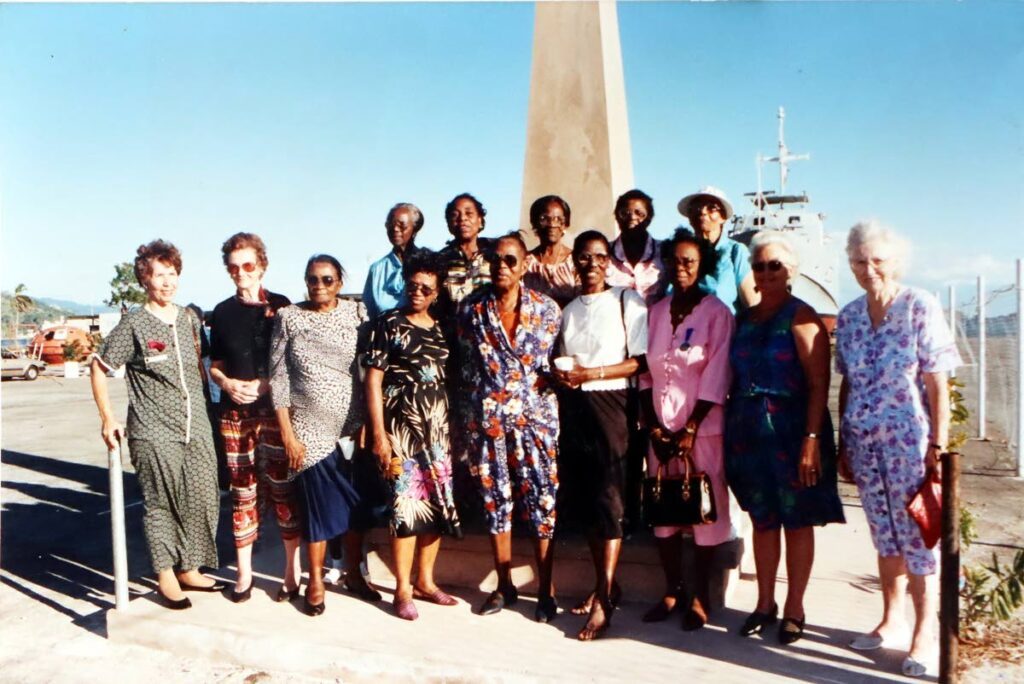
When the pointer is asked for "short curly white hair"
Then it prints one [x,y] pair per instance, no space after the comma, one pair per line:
[774,237]
[872,231]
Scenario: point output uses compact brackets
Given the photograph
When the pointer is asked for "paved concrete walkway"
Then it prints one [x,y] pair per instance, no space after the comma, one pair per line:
[356,641]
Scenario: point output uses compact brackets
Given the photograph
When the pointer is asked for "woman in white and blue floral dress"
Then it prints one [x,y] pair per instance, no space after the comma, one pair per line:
[894,350]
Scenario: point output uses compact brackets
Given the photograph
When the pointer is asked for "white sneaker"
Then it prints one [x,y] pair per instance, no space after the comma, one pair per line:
[332,575]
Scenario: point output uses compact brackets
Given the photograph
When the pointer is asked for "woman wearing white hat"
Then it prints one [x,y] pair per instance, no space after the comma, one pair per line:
[707,210]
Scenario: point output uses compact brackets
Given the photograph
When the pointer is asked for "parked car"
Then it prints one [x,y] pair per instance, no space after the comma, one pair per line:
[19,366]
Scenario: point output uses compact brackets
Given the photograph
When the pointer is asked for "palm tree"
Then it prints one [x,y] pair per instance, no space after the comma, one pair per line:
[21,303]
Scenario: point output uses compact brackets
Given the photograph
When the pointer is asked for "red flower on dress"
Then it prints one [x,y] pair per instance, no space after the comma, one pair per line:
[156,345]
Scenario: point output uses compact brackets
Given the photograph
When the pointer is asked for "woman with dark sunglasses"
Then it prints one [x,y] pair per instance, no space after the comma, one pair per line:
[408,410]
[256,463]
[315,391]
[779,446]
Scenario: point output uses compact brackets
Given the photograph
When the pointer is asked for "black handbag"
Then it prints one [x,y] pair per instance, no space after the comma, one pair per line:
[686,499]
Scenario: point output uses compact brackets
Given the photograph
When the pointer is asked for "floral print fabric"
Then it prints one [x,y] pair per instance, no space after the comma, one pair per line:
[766,418]
[512,426]
[416,419]
[886,424]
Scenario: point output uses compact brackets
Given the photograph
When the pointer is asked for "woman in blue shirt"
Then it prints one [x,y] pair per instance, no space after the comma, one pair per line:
[385,286]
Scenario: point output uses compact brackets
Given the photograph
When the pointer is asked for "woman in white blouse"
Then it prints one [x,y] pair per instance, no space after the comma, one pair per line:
[604,339]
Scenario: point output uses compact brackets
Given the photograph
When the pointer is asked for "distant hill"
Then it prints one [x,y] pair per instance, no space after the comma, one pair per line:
[46,309]
[76,307]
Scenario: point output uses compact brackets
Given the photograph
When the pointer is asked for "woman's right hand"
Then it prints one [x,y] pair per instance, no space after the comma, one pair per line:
[382,450]
[242,391]
[112,431]
[843,464]
[296,452]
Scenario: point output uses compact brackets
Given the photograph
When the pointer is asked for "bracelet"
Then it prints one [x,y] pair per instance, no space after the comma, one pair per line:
[689,430]
[600,373]
[811,435]
[935,445]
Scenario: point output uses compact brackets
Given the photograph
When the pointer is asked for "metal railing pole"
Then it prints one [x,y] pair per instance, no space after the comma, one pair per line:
[118,536]
[949,592]
[982,366]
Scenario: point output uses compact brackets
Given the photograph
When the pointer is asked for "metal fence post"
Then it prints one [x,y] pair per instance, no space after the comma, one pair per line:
[982,366]
[949,591]
[952,319]
[118,536]
[1020,367]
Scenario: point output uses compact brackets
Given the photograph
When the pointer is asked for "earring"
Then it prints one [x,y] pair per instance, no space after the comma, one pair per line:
[757,289]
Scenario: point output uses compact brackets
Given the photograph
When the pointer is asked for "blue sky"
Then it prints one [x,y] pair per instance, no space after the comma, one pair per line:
[305,123]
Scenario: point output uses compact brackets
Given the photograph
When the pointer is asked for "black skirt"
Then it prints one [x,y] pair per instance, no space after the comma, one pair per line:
[595,429]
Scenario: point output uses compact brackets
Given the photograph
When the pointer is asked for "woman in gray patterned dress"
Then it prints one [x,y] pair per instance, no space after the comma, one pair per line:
[170,440]
[315,391]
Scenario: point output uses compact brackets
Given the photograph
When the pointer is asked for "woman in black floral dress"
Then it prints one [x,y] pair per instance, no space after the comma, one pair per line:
[408,408]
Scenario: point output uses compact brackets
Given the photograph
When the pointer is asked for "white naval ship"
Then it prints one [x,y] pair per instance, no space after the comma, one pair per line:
[818,282]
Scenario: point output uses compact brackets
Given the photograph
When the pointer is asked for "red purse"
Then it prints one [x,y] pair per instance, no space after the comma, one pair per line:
[926,509]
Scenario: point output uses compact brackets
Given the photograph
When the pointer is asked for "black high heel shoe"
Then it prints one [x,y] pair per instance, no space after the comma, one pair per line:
[756,622]
[314,610]
[547,609]
[286,595]
[790,630]
[216,587]
[241,596]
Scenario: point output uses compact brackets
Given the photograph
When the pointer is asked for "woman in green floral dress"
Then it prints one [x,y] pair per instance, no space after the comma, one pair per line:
[408,406]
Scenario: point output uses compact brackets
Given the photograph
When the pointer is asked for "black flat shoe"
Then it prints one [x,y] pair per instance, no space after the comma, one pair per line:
[547,609]
[285,596]
[217,586]
[659,612]
[314,610]
[756,622]
[241,596]
[175,604]
[498,600]
[493,604]
[790,630]
[362,591]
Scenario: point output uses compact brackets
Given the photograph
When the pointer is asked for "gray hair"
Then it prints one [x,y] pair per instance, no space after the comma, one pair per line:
[872,231]
[774,237]
[417,215]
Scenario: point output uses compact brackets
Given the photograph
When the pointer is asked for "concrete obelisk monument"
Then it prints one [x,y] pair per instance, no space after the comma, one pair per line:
[577,133]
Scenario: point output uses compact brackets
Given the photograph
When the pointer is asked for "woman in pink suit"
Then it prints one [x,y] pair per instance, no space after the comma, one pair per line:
[683,393]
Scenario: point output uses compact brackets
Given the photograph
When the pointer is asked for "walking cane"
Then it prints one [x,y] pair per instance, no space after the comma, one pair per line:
[117,527]
[949,595]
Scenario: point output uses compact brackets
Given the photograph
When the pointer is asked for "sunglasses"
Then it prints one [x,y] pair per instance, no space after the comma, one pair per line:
[685,263]
[327,280]
[425,290]
[248,267]
[586,259]
[760,266]
[548,220]
[510,260]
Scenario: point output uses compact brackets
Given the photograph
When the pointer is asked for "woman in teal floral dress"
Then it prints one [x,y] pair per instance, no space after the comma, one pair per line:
[408,406]
[780,458]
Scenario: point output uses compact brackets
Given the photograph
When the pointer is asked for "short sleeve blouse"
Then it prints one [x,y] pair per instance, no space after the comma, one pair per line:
[604,329]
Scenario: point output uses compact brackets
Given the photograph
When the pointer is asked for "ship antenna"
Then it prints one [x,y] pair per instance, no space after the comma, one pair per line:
[784,156]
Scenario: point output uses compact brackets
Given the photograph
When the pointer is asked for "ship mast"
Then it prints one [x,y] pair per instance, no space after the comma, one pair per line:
[784,156]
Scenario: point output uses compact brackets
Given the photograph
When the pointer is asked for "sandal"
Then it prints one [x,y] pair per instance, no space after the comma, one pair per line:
[660,611]
[584,606]
[405,609]
[437,596]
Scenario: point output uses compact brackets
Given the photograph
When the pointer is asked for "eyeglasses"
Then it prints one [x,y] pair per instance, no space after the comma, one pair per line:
[510,260]
[685,262]
[425,290]
[327,280]
[586,259]
[551,220]
[774,266]
[248,267]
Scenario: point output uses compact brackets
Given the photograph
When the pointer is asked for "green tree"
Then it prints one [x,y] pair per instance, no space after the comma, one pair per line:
[125,291]
[21,303]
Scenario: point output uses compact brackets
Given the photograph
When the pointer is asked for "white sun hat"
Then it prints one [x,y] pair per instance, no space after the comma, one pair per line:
[706,191]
